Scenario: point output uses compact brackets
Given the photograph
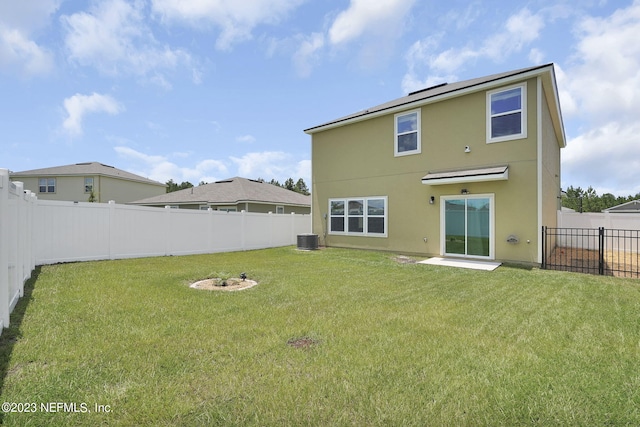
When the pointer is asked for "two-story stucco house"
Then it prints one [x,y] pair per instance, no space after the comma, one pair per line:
[469,169]
[91,180]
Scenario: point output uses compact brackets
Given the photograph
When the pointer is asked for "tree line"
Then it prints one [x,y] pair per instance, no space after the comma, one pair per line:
[298,186]
[589,201]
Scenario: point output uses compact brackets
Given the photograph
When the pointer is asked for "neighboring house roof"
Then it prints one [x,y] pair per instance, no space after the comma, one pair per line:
[629,207]
[448,90]
[86,169]
[230,191]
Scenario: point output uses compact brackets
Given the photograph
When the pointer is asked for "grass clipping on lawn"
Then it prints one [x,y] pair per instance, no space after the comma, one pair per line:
[331,337]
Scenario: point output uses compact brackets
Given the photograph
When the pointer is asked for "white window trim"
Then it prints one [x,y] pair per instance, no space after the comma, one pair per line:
[418,150]
[279,209]
[523,115]
[365,216]
[46,187]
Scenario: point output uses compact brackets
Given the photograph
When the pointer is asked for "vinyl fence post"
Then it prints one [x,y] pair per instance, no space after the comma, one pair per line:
[4,248]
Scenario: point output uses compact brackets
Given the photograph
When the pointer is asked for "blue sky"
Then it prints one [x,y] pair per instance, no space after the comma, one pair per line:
[209,89]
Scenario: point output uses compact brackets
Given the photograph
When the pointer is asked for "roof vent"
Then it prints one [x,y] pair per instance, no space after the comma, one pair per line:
[427,89]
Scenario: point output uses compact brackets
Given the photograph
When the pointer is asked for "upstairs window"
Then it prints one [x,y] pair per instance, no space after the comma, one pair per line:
[88,184]
[47,185]
[407,133]
[506,118]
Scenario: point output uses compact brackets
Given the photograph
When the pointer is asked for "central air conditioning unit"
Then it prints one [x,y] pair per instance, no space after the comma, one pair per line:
[307,242]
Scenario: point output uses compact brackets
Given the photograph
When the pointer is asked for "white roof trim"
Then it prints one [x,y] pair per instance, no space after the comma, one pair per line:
[496,173]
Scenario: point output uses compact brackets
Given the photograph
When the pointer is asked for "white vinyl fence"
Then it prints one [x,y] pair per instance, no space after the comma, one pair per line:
[35,232]
[17,258]
[619,221]
[622,230]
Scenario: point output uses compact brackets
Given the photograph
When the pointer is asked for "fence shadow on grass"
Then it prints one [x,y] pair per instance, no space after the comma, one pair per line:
[11,335]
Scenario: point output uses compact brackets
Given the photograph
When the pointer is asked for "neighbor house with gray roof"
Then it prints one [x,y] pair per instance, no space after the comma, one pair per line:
[81,182]
[234,195]
[629,207]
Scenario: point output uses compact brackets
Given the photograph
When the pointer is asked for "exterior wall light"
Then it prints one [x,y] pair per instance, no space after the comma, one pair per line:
[432,200]
[464,191]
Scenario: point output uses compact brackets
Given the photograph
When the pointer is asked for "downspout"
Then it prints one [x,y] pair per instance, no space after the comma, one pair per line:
[539,165]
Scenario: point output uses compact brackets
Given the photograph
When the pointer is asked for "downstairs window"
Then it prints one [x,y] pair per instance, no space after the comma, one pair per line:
[358,216]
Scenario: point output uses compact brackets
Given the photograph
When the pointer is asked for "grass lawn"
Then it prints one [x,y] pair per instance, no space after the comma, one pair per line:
[395,344]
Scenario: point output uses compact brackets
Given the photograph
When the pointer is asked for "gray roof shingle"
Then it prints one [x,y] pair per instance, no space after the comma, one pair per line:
[230,191]
[425,94]
[88,168]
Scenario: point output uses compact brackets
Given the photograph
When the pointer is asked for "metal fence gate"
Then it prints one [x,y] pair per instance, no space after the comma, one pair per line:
[610,252]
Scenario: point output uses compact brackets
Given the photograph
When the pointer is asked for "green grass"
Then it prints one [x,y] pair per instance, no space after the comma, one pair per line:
[397,344]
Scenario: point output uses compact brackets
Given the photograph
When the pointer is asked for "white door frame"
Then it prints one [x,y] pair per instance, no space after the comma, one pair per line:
[492,216]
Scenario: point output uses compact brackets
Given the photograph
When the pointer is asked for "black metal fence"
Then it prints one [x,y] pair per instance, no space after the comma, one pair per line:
[601,251]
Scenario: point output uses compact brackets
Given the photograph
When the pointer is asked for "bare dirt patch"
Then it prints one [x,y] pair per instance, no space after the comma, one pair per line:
[218,284]
[401,259]
[302,342]
[618,264]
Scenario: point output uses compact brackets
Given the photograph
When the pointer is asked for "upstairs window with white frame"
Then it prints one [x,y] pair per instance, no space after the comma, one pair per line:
[506,114]
[362,216]
[407,133]
[88,184]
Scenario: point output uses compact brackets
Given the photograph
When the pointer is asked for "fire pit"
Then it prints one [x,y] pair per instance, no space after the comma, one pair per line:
[218,284]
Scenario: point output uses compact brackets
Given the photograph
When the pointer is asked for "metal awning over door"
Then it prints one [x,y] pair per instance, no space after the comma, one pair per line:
[495,173]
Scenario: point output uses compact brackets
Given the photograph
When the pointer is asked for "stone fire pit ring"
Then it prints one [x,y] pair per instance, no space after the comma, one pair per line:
[228,285]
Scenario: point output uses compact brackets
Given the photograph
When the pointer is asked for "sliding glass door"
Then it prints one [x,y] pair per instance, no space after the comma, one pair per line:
[468,226]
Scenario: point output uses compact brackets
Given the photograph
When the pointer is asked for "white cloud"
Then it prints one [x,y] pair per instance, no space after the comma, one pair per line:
[364,16]
[272,165]
[461,18]
[303,170]
[246,138]
[29,15]
[536,56]
[375,25]
[268,163]
[605,81]
[77,106]
[115,39]
[235,19]
[606,157]
[423,57]
[161,168]
[19,52]
[600,90]
[24,55]
[417,56]
[307,54]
